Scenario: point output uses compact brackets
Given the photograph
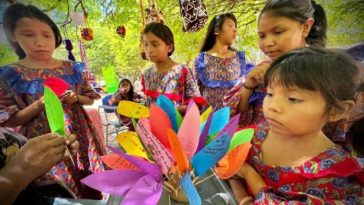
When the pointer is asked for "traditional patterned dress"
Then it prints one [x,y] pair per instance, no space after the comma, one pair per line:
[332,177]
[178,84]
[21,86]
[216,76]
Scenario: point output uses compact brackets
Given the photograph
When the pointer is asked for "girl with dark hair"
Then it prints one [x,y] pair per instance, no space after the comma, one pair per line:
[219,66]
[166,77]
[291,160]
[283,25]
[125,92]
[35,37]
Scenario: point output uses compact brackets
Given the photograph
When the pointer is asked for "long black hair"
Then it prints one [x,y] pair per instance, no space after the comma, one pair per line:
[15,12]
[215,26]
[301,11]
[130,94]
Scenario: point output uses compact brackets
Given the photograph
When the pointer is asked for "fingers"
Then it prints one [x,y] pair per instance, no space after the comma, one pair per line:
[69,98]
[73,144]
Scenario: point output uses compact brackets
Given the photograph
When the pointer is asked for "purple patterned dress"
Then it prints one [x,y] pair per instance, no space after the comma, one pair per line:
[216,76]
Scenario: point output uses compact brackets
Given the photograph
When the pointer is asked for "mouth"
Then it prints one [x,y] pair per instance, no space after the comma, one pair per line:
[272,54]
[41,51]
[273,122]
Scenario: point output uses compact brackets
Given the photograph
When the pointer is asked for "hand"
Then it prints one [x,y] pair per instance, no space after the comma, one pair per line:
[69,98]
[40,101]
[39,155]
[73,144]
[256,76]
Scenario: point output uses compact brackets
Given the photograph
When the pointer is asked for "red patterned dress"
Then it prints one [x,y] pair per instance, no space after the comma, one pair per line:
[332,177]
[21,86]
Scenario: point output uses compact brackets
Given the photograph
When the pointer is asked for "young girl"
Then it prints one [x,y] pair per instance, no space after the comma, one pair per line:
[297,162]
[282,26]
[125,92]
[34,37]
[166,77]
[219,66]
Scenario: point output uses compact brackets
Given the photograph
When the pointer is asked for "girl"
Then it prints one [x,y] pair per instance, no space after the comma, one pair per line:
[34,37]
[298,164]
[125,92]
[219,66]
[166,77]
[282,26]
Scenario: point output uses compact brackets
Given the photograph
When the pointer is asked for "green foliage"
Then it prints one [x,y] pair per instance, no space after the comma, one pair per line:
[7,55]
[345,18]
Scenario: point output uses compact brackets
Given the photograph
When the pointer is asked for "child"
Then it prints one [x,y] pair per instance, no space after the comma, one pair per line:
[125,92]
[297,162]
[34,37]
[282,26]
[219,66]
[166,77]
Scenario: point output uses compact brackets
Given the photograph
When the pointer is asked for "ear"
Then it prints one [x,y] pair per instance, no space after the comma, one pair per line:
[341,113]
[307,27]
[170,47]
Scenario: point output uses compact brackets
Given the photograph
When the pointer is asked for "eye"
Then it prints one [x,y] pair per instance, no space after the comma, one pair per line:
[261,36]
[28,34]
[278,32]
[294,100]
[269,94]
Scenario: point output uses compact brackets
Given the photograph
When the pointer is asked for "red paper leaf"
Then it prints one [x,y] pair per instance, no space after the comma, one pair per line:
[58,86]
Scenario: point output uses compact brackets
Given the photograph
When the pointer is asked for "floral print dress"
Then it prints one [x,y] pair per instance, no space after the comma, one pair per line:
[216,76]
[332,177]
[179,90]
[21,86]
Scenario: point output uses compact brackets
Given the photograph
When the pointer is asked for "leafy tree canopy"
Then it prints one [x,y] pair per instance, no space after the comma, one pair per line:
[345,22]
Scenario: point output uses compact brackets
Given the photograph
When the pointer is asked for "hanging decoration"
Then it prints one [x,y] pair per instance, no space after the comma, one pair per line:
[121,31]
[194,15]
[87,34]
[69,48]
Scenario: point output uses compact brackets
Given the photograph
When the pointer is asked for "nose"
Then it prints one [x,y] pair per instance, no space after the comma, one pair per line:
[274,104]
[268,41]
[40,42]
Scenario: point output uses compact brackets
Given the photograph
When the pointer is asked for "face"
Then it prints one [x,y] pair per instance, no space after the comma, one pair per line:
[35,37]
[278,35]
[294,111]
[124,87]
[155,48]
[228,32]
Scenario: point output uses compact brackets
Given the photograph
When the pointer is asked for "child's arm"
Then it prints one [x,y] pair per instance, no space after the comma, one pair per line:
[254,181]
[23,116]
[239,191]
[253,79]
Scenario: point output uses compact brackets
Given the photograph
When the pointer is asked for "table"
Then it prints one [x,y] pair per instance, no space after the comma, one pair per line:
[212,191]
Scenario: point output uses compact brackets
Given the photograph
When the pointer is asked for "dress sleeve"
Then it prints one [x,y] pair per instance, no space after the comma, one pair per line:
[232,98]
[84,88]
[191,85]
[8,105]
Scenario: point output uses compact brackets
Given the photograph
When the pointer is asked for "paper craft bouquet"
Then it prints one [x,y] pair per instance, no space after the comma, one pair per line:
[171,152]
